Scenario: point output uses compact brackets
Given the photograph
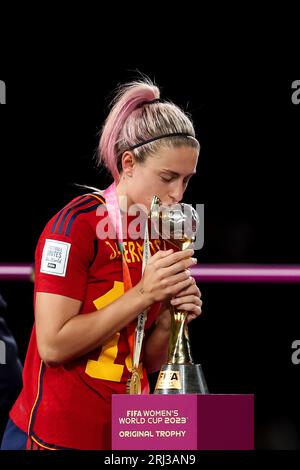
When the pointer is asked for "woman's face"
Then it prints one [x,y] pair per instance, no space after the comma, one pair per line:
[165,174]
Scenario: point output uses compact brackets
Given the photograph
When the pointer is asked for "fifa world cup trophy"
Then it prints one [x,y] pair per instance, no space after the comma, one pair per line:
[178,225]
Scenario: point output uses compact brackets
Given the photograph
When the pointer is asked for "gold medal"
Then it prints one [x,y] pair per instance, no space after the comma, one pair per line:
[134,383]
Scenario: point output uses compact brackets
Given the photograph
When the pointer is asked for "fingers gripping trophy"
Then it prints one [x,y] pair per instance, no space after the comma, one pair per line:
[178,224]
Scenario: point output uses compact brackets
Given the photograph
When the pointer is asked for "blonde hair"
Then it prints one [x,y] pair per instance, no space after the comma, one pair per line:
[133,120]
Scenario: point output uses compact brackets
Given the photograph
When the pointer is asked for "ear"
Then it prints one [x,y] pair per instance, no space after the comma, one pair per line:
[128,163]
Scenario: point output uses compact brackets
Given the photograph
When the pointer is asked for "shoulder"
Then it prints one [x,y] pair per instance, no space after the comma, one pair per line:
[80,211]
[69,237]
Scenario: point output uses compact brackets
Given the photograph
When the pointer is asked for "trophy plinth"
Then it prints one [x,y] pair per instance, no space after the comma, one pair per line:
[178,224]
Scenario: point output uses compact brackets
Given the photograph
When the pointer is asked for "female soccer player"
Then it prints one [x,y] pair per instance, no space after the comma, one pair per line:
[90,289]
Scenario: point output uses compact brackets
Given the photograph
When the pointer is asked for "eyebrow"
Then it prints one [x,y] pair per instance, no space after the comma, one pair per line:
[174,173]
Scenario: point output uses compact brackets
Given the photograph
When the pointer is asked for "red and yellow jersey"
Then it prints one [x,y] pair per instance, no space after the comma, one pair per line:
[69,405]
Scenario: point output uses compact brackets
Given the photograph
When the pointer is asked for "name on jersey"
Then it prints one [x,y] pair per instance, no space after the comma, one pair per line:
[133,250]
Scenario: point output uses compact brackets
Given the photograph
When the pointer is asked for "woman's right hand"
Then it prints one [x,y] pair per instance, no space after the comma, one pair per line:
[166,274]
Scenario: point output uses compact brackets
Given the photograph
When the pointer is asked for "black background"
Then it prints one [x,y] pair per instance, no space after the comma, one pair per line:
[247,178]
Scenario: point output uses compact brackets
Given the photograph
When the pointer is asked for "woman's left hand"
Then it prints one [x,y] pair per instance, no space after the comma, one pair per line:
[189,299]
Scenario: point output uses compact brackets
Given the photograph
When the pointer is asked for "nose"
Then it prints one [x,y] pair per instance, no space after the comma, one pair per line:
[176,193]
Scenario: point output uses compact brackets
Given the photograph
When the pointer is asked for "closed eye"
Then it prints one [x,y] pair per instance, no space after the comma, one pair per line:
[167,180]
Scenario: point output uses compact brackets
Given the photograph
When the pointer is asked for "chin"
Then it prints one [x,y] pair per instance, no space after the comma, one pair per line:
[142,204]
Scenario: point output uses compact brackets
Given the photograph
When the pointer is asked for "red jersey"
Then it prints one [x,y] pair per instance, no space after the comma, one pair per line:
[69,405]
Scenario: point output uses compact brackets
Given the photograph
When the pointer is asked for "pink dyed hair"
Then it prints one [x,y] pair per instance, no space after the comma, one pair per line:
[131,121]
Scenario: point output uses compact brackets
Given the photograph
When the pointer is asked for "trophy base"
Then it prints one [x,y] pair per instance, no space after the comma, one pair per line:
[180,379]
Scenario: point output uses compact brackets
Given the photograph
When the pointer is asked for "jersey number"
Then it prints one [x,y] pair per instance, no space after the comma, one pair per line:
[105,367]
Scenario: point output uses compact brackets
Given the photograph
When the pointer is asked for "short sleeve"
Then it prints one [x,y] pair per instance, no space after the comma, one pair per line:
[62,260]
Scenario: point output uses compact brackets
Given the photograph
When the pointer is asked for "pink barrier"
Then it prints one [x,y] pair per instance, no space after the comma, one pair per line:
[246,273]
[201,272]
[16,272]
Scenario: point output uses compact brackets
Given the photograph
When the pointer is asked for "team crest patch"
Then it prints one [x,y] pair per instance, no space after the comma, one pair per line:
[55,257]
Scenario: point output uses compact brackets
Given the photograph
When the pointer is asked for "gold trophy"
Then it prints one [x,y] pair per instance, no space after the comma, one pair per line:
[178,224]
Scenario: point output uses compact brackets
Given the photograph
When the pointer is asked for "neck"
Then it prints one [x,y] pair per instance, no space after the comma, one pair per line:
[124,200]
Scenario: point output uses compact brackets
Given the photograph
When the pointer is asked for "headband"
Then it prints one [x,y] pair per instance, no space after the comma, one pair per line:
[172,134]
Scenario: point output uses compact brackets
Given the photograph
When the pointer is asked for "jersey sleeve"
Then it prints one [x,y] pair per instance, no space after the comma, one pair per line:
[62,260]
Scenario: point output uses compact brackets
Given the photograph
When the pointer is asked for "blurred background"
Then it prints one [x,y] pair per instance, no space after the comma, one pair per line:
[247,179]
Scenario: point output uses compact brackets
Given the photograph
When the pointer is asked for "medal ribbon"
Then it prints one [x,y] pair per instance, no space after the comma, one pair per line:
[135,331]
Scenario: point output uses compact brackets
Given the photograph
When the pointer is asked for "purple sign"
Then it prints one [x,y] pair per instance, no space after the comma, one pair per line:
[182,422]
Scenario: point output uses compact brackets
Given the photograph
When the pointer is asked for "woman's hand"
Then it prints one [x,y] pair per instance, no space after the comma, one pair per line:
[189,299]
[166,275]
